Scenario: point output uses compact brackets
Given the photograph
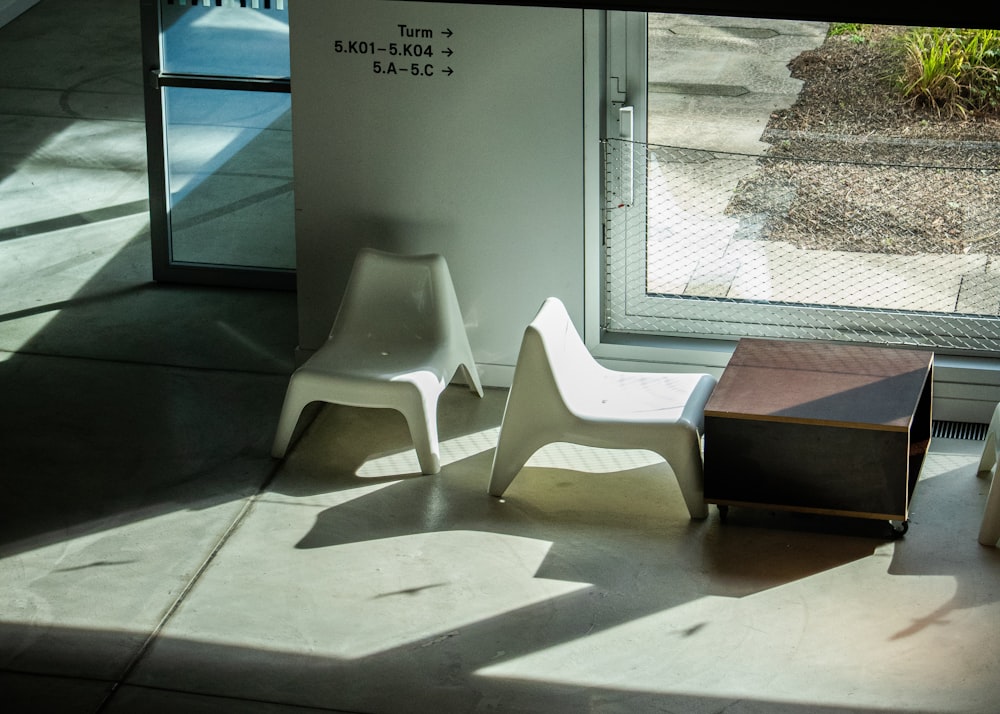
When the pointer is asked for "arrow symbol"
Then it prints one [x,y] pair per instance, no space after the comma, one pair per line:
[449,52]
[447,32]
[449,71]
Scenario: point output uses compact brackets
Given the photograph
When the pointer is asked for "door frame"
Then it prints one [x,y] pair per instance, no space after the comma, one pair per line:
[165,268]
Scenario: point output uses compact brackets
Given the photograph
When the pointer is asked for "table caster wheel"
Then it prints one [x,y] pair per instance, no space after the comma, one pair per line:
[897,529]
[723,513]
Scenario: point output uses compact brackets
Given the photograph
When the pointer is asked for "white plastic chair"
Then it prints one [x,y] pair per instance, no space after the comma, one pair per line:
[397,341]
[561,394]
[989,530]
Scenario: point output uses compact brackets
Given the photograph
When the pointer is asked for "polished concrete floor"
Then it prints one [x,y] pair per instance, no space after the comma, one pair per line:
[155,558]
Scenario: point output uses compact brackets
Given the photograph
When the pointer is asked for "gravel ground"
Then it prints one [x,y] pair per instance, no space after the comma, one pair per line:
[870,172]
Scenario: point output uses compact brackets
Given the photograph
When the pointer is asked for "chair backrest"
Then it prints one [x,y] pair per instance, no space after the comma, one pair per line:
[559,337]
[395,296]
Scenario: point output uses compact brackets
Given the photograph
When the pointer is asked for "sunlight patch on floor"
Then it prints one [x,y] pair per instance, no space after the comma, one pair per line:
[372,596]
[783,644]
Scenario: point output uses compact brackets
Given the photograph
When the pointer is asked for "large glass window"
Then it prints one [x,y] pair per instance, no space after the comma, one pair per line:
[729,216]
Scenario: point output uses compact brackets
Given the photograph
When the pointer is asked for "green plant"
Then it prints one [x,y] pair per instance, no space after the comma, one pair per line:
[845,28]
[955,71]
[855,30]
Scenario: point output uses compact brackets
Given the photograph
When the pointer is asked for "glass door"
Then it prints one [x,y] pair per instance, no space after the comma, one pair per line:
[219,141]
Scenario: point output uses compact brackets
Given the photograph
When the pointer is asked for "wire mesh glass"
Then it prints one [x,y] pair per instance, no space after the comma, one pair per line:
[727,245]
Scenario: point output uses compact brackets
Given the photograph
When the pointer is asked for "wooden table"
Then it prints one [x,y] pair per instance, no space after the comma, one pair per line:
[828,428]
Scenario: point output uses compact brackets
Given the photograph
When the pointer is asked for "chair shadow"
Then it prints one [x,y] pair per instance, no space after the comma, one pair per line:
[596,520]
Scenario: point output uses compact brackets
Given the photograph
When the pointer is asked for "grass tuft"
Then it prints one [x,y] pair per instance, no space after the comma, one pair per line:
[954,71]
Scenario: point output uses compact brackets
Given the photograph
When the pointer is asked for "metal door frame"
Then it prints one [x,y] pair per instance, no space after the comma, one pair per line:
[165,268]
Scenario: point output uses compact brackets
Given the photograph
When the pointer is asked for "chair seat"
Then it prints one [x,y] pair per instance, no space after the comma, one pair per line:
[635,397]
[372,361]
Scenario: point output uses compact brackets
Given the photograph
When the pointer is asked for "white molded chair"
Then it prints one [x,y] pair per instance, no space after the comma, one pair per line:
[561,394]
[397,341]
[989,530]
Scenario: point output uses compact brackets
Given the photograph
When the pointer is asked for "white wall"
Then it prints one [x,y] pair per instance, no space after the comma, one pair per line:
[485,165]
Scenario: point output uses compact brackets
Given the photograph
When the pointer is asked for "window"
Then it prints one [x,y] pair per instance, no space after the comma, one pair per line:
[710,238]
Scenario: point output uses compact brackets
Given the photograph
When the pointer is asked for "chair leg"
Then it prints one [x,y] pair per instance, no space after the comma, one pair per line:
[515,445]
[421,418]
[472,378]
[989,531]
[511,454]
[507,463]
[989,456]
[295,401]
[683,453]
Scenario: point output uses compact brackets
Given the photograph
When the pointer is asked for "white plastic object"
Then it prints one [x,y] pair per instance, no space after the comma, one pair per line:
[397,341]
[560,393]
[989,530]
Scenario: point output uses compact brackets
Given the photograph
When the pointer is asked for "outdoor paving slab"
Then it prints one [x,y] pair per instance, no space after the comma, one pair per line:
[721,73]
[777,271]
[711,122]
[721,98]
[979,293]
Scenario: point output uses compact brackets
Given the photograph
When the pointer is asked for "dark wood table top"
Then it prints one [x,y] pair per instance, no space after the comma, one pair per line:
[824,383]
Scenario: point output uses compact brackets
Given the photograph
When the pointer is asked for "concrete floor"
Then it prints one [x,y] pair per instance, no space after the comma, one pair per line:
[154,558]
